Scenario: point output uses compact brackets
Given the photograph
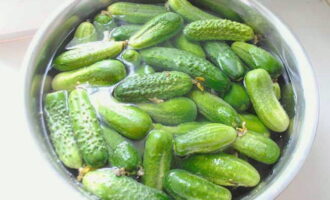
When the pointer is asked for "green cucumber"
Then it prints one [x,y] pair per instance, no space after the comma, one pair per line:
[179,60]
[183,185]
[102,73]
[105,184]
[157,158]
[87,129]
[253,123]
[182,43]
[60,128]
[205,139]
[85,33]
[218,29]
[161,85]
[167,43]
[238,98]
[124,32]
[181,128]
[259,86]
[131,56]
[104,22]
[277,90]
[223,169]
[288,99]
[156,31]
[144,69]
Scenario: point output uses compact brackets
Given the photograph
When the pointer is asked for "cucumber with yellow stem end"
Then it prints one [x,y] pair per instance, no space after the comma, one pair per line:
[253,123]
[182,43]
[238,98]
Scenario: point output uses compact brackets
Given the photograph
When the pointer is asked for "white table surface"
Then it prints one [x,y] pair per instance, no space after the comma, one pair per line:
[23,174]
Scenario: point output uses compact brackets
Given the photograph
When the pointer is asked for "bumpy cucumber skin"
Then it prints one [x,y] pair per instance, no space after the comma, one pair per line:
[87,129]
[85,32]
[238,98]
[206,139]
[122,154]
[215,109]
[258,147]
[157,158]
[172,112]
[157,30]
[256,57]
[61,131]
[105,184]
[182,43]
[277,90]
[102,73]
[87,55]
[181,128]
[124,32]
[183,185]
[223,56]
[134,12]
[218,29]
[223,169]
[179,60]
[253,123]
[259,86]
[144,69]
[162,85]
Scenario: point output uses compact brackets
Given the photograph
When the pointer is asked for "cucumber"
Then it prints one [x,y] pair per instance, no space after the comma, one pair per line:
[258,147]
[238,98]
[224,57]
[181,128]
[222,169]
[277,90]
[218,29]
[161,85]
[156,31]
[60,128]
[167,43]
[87,55]
[87,129]
[288,99]
[85,33]
[215,109]
[144,69]
[102,73]
[182,43]
[103,22]
[188,11]
[205,139]
[256,57]
[157,158]
[179,60]
[259,86]
[124,32]
[254,124]
[106,185]
[183,185]
[131,56]
[135,13]
[122,153]
[172,112]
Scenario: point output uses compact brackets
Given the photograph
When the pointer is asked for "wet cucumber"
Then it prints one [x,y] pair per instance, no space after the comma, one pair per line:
[288,99]
[182,43]
[181,128]
[183,185]
[223,56]
[87,55]
[144,69]
[172,112]
[157,158]
[237,97]
[84,33]
[277,90]
[161,85]
[223,169]
[104,22]
[102,73]
[124,32]
[87,129]
[218,29]
[205,139]
[253,123]
[215,109]
[135,13]
[60,128]
[179,60]
[156,31]
[105,184]
[256,57]
[132,56]
[259,86]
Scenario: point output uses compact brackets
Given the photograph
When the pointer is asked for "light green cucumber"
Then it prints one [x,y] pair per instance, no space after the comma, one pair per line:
[124,32]
[104,22]
[181,128]
[277,90]
[131,56]
[144,69]
[182,43]
[85,33]
[237,97]
[253,123]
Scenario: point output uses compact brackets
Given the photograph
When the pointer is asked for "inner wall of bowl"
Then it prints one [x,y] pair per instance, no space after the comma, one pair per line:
[78,11]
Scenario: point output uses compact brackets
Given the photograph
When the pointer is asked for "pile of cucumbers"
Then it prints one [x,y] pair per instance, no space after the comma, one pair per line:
[189,83]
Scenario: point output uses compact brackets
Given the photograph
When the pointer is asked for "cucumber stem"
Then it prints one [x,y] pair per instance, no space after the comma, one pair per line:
[242,131]
[83,171]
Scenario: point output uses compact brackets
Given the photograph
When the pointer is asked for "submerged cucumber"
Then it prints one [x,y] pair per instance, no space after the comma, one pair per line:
[144,69]
[181,128]
[277,90]
[237,97]
[182,43]
[103,22]
[124,32]
[131,56]
[253,123]
[85,33]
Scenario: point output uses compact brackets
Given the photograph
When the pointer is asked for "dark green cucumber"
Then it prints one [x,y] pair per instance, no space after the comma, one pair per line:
[259,86]
[205,139]
[182,43]
[218,29]
[288,99]
[104,22]
[144,69]
[223,56]
[172,112]
[87,55]
[105,184]
[157,30]
[181,128]
[131,56]
[215,109]
[102,73]
[60,128]
[223,169]
[253,123]
[124,32]
[258,147]
[256,57]
[179,60]
[183,185]
[162,85]
[87,129]
[157,158]
[84,33]
[238,98]
[277,90]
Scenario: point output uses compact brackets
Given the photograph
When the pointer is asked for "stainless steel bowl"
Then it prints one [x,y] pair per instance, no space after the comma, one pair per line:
[279,40]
